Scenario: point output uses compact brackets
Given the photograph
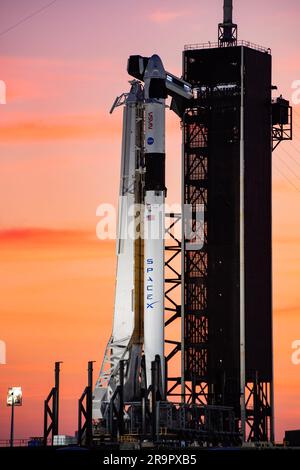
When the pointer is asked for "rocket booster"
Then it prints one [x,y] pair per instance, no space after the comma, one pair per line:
[139,292]
[154,216]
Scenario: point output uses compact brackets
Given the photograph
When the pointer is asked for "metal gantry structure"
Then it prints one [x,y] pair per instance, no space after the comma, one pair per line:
[195,262]
[227,297]
[173,281]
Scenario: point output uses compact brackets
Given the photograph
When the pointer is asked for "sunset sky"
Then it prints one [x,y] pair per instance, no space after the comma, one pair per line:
[60,158]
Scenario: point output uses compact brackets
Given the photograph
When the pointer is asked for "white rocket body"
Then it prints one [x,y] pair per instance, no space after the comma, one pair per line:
[154,222]
[154,248]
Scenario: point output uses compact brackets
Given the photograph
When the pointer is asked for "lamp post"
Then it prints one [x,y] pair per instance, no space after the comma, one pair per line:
[14,398]
[12,419]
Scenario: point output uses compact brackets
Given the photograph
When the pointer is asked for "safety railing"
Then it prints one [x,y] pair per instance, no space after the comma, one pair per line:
[211,45]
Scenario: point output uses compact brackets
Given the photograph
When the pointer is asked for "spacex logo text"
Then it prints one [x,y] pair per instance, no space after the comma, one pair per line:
[149,283]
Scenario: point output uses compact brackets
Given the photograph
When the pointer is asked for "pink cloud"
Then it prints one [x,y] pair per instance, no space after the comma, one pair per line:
[164,16]
[34,78]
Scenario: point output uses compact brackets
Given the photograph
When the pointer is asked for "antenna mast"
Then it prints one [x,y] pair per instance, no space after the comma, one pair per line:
[227,31]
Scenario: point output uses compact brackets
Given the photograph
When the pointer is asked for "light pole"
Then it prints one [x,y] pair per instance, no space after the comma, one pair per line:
[12,419]
[14,398]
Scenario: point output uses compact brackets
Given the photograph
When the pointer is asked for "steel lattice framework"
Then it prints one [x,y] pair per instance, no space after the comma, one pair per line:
[195,182]
[172,306]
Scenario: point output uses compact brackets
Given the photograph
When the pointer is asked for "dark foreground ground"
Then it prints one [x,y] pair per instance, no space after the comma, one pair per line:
[72,457]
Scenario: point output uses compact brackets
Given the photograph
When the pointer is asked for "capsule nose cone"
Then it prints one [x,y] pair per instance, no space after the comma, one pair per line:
[155,68]
[155,78]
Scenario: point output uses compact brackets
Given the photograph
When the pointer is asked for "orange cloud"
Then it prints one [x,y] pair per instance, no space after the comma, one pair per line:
[66,127]
[41,234]
[103,126]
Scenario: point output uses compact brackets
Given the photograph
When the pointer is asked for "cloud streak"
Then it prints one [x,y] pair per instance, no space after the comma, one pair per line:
[166,16]
[63,128]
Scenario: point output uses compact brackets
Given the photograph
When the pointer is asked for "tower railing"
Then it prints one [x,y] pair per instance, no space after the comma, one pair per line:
[214,44]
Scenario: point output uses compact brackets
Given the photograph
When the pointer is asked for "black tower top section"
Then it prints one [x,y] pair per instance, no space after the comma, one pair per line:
[227,31]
